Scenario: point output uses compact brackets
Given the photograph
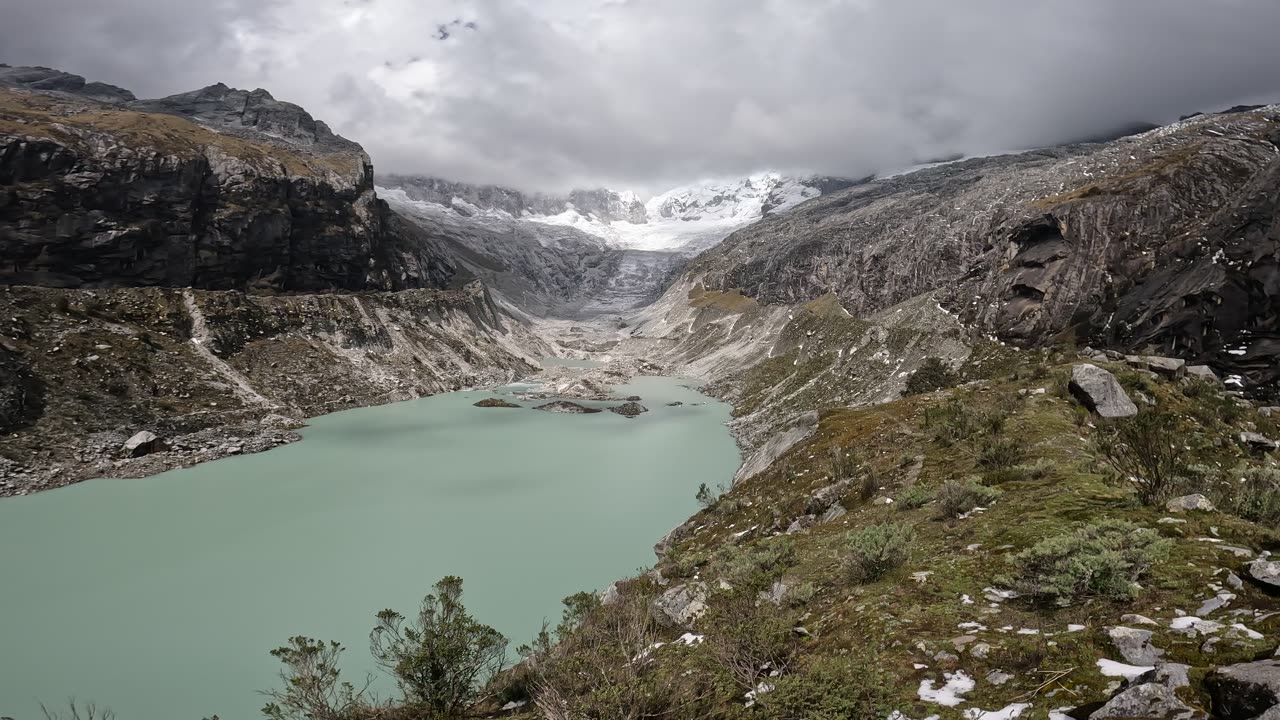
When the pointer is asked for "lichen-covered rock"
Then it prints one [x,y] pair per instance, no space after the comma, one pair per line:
[1099,391]
[1189,503]
[629,409]
[1258,442]
[681,605]
[1134,645]
[1266,573]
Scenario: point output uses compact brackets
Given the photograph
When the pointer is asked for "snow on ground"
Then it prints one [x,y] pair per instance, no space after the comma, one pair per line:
[1111,668]
[950,693]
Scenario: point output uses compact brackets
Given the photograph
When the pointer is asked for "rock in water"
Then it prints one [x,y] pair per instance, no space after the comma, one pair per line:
[496,403]
[1244,691]
[1099,391]
[566,406]
[1187,503]
[142,443]
[629,410]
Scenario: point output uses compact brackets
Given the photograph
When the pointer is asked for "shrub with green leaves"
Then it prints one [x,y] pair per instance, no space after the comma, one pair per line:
[1144,449]
[956,498]
[1103,559]
[1001,452]
[913,497]
[933,374]
[830,688]
[875,550]
[756,565]
[1252,493]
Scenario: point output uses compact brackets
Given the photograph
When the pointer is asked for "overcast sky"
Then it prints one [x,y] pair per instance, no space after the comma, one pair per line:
[547,94]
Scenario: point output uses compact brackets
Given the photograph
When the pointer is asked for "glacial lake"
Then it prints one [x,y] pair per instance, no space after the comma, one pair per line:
[161,597]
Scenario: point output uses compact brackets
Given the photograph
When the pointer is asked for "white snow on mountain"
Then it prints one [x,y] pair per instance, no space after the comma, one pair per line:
[695,216]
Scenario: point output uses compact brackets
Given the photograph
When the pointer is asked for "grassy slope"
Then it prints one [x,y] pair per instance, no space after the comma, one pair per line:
[899,622]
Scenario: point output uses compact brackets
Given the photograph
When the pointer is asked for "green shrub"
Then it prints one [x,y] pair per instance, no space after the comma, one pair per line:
[801,594]
[877,549]
[956,498]
[441,658]
[955,421]
[312,688]
[1144,450]
[756,565]
[913,497]
[1001,452]
[830,688]
[704,496]
[1254,495]
[1103,559]
[933,374]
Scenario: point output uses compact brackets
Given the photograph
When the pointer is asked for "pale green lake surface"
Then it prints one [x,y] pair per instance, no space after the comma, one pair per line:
[160,597]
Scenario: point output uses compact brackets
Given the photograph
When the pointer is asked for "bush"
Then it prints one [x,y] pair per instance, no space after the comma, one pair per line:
[1001,452]
[932,375]
[1103,559]
[954,421]
[1253,495]
[704,496]
[757,565]
[312,690]
[830,688]
[441,658]
[913,497]
[877,549]
[1143,450]
[957,498]
[748,638]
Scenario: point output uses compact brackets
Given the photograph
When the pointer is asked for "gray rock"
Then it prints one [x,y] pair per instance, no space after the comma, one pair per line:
[1151,701]
[1187,503]
[1172,368]
[1134,645]
[1269,411]
[980,650]
[1137,619]
[681,604]
[1258,442]
[142,443]
[1099,391]
[801,523]
[610,594]
[998,677]
[1203,372]
[1213,604]
[1244,691]
[834,512]
[1265,573]
[1272,714]
[823,498]
[1234,582]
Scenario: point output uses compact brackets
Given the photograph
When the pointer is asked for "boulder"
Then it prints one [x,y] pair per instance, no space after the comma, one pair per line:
[834,512]
[142,443]
[629,410]
[1269,411]
[1173,368]
[1152,695]
[680,605]
[822,499]
[1265,573]
[610,594]
[1134,645]
[1203,372]
[801,523]
[1188,503]
[775,593]
[1258,442]
[565,406]
[1099,391]
[1244,691]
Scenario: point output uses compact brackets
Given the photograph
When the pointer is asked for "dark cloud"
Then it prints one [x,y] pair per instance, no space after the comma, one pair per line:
[553,93]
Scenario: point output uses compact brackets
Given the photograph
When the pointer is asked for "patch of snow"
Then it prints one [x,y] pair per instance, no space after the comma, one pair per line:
[1008,712]
[949,695]
[1111,668]
[1074,628]
[691,639]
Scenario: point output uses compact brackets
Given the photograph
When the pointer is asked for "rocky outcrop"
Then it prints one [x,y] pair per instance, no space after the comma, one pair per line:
[1164,242]
[495,403]
[1266,573]
[1244,691]
[681,605]
[217,189]
[42,78]
[629,410]
[217,373]
[567,407]
[1099,391]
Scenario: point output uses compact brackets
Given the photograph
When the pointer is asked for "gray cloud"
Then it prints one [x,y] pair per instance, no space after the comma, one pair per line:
[555,93]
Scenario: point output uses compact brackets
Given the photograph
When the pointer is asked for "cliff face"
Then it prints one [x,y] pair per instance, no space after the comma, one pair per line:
[216,189]
[1165,241]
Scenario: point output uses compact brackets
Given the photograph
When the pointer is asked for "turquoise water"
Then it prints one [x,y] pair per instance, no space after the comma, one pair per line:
[160,597]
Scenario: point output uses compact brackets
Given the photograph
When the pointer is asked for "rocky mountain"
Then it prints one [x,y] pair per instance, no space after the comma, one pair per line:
[1166,241]
[218,188]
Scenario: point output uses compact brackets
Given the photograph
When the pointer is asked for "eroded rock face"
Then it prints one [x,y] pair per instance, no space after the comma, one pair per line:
[217,189]
[1099,391]
[681,605]
[1166,242]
